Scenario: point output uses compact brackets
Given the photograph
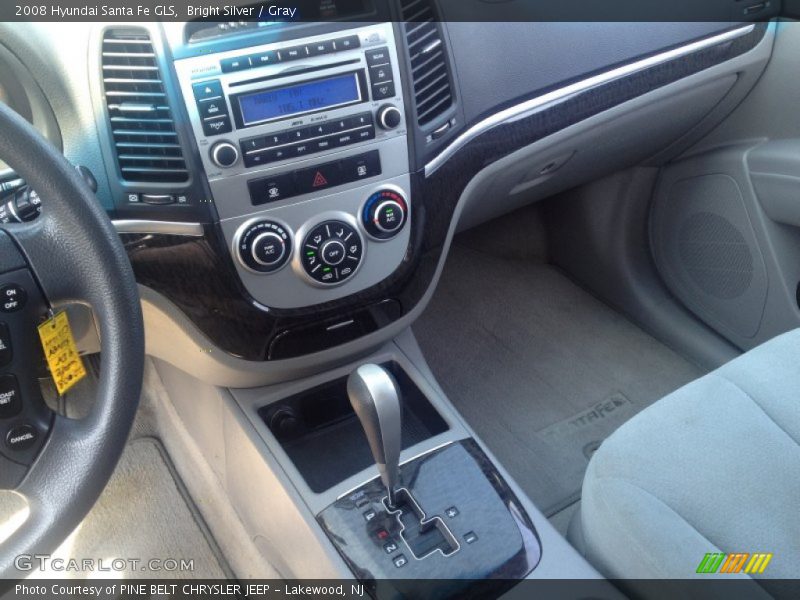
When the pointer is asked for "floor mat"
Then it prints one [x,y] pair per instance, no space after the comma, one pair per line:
[142,515]
[539,368]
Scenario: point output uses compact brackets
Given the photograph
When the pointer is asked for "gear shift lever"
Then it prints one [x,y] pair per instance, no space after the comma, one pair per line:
[376,400]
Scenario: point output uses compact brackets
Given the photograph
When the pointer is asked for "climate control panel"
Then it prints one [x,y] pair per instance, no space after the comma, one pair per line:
[332,253]
[307,162]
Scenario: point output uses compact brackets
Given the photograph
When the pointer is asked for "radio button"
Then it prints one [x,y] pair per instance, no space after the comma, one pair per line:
[238,63]
[318,48]
[380,74]
[207,90]
[212,108]
[347,43]
[378,56]
[319,130]
[251,144]
[322,145]
[359,120]
[271,189]
[266,156]
[277,154]
[253,160]
[298,135]
[341,125]
[263,59]
[217,125]
[293,53]
[276,139]
[382,91]
[300,149]
[345,139]
[365,134]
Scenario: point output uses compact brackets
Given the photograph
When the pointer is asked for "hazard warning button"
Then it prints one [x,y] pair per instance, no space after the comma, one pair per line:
[318,178]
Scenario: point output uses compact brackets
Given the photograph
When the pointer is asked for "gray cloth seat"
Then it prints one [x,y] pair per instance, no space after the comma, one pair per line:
[713,467]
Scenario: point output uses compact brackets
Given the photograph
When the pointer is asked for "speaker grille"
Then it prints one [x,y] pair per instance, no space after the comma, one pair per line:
[716,255]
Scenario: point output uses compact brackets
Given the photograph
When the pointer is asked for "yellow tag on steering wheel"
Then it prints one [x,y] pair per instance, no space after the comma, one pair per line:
[66,365]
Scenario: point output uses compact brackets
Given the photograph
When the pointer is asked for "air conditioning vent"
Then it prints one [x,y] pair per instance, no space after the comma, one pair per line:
[145,139]
[429,69]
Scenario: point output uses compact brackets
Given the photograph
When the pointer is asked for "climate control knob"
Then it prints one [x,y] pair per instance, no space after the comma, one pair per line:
[263,246]
[224,154]
[332,252]
[389,116]
[385,213]
[268,249]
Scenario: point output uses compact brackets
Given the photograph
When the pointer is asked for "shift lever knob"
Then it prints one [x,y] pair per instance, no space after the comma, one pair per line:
[376,401]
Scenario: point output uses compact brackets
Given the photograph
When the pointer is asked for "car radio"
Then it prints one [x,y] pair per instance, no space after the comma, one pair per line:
[297,139]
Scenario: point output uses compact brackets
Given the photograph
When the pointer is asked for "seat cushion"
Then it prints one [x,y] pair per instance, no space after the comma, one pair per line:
[713,467]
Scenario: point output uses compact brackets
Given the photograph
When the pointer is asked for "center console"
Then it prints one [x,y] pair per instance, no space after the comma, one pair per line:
[402,496]
[304,146]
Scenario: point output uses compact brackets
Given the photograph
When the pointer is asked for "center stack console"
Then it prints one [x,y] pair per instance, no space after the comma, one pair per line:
[304,145]
[304,142]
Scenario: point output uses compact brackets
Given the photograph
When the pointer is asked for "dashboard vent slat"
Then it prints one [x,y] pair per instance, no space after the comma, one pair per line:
[142,124]
[430,71]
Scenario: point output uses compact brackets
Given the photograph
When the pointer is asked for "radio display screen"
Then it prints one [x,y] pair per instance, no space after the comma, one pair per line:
[309,96]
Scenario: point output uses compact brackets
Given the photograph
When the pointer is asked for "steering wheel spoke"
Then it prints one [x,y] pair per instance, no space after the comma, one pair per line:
[70,253]
[24,417]
[51,256]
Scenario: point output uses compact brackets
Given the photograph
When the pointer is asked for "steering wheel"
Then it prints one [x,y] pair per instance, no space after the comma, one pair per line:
[70,254]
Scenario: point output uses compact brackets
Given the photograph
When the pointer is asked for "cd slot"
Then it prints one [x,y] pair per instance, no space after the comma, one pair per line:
[294,72]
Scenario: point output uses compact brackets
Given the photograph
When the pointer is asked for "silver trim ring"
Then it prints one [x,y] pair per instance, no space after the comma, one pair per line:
[385,110]
[145,227]
[240,231]
[378,188]
[261,236]
[302,233]
[215,154]
[530,107]
[328,243]
[378,209]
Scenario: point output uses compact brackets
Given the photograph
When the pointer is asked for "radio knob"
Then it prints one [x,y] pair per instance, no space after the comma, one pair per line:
[389,116]
[385,213]
[224,154]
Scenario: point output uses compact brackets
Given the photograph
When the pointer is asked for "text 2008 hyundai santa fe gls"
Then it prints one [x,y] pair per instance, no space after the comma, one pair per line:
[425,304]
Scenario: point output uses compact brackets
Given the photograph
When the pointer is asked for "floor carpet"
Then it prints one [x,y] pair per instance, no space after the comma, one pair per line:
[539,368]
[142,515]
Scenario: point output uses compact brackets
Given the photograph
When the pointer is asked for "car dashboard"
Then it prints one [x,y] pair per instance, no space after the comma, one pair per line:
[290,191]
